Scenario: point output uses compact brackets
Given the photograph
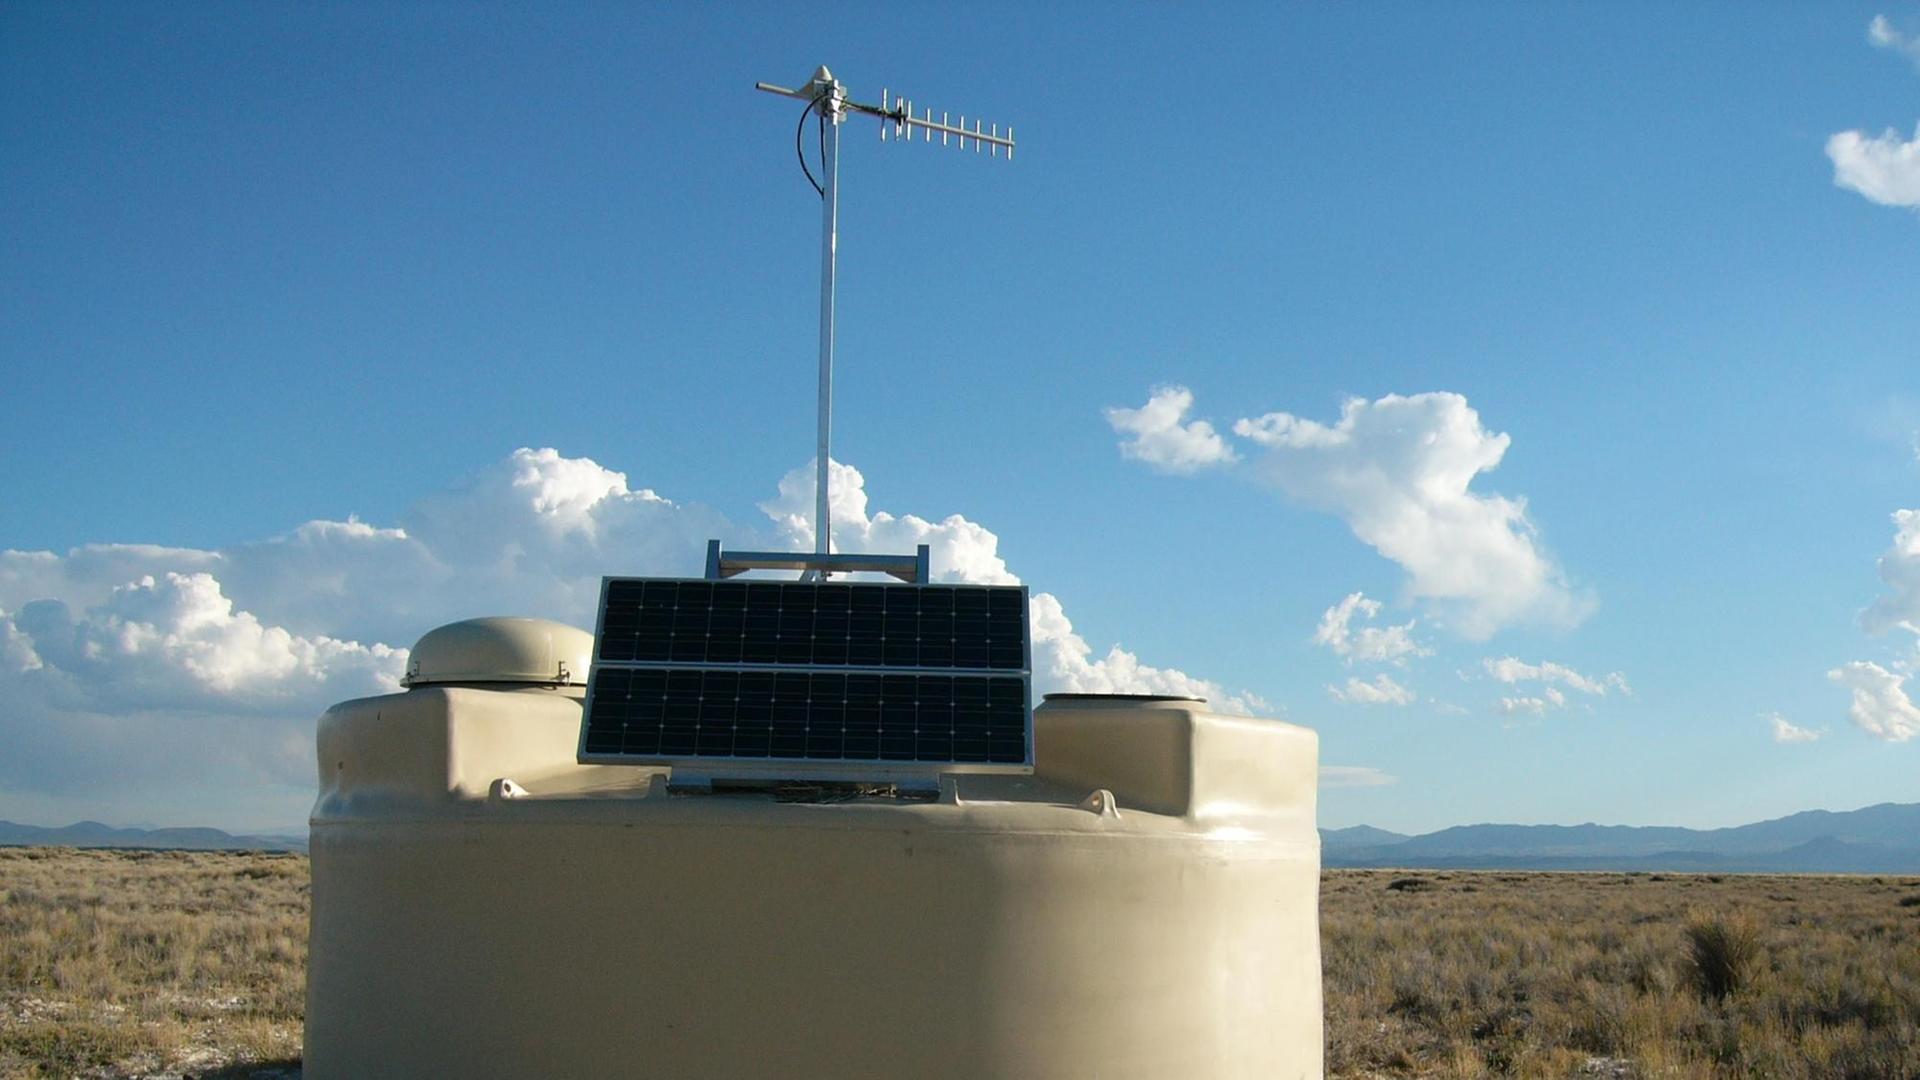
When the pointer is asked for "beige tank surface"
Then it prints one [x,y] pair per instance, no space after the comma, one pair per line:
[1144,905]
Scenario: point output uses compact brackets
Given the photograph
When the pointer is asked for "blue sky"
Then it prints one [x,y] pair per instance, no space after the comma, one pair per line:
[288,287]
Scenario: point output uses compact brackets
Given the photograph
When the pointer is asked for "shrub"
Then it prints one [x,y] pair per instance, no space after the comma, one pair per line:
[1724,950]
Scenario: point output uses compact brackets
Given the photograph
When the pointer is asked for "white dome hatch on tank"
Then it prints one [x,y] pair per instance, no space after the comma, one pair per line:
[501,649]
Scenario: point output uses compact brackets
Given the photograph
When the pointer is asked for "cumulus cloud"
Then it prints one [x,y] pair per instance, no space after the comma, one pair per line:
[1382,690]
[1064,661]
[1512,671]
[1881,706]
[1881,33]
[1900,569]
[182,684]
[1785,731]
[960,550]
[1399,471]
[126,667]
[1159,433]
[88,574]
[1884,168]
[1391,644]
[537,530]
[177,640]
[531,533]
[1345,776]
[165,685]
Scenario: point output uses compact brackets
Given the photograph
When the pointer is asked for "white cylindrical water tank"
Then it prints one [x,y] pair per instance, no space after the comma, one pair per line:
[1145,905]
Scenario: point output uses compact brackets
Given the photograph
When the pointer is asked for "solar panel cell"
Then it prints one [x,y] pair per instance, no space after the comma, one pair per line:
[809,672]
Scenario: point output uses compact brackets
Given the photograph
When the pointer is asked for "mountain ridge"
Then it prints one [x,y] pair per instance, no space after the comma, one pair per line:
[1883,838]
[93,834]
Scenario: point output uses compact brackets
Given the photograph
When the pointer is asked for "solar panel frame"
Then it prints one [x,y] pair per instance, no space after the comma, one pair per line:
[860,753]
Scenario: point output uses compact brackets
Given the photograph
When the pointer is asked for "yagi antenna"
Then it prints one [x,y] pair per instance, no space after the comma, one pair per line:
[827,97]
[899,121]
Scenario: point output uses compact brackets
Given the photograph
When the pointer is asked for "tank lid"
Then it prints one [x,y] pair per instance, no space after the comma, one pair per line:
[1120,697]
[501,649]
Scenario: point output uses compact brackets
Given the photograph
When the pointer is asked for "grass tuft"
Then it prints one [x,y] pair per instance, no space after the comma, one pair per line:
[1724,949]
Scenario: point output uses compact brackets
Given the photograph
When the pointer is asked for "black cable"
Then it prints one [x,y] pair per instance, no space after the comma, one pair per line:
[802,154]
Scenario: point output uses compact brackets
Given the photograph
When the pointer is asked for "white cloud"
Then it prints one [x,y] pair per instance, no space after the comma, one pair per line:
[960,550]
[1345,776]
[1535,706]
[176,641]
[17,654]
[164,696]
[1881,33]
[87,575]
[1382,690]
[1159,434]
[187,681]
[1885,169]
[1880,705]
[1399,470]
[128,670]
[1785,731]
[531,534]
[1513,671]
[1064,661]
[534,533]
[1900,569]
[1392,644]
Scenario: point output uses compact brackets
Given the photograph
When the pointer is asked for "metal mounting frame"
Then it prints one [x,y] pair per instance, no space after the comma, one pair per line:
[915,569]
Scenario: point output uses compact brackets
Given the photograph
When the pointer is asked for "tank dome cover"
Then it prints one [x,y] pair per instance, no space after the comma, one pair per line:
[501,649]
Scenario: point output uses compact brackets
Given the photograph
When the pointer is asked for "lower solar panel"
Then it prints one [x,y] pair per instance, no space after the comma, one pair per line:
[641,713]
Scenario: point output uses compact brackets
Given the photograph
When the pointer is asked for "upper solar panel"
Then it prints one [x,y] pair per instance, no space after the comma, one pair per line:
[813,678]
[816,625]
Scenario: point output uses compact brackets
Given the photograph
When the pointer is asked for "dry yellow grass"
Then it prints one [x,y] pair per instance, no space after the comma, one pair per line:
[1435,973]
[171,964]
[150,963]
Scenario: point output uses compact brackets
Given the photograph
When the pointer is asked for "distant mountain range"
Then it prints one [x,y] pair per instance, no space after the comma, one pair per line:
[92,834]
[1883,839]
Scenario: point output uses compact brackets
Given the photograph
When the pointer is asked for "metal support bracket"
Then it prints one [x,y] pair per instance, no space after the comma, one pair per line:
[915,569]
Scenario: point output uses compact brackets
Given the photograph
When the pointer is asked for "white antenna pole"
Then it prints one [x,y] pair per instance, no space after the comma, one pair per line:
[828,96]
[829,105]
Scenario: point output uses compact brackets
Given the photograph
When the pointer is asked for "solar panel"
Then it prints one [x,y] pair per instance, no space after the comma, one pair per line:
[809,678]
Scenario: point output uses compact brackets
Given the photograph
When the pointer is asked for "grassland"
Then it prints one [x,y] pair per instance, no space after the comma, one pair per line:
[1553,975]
[172,964]
[150,963]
